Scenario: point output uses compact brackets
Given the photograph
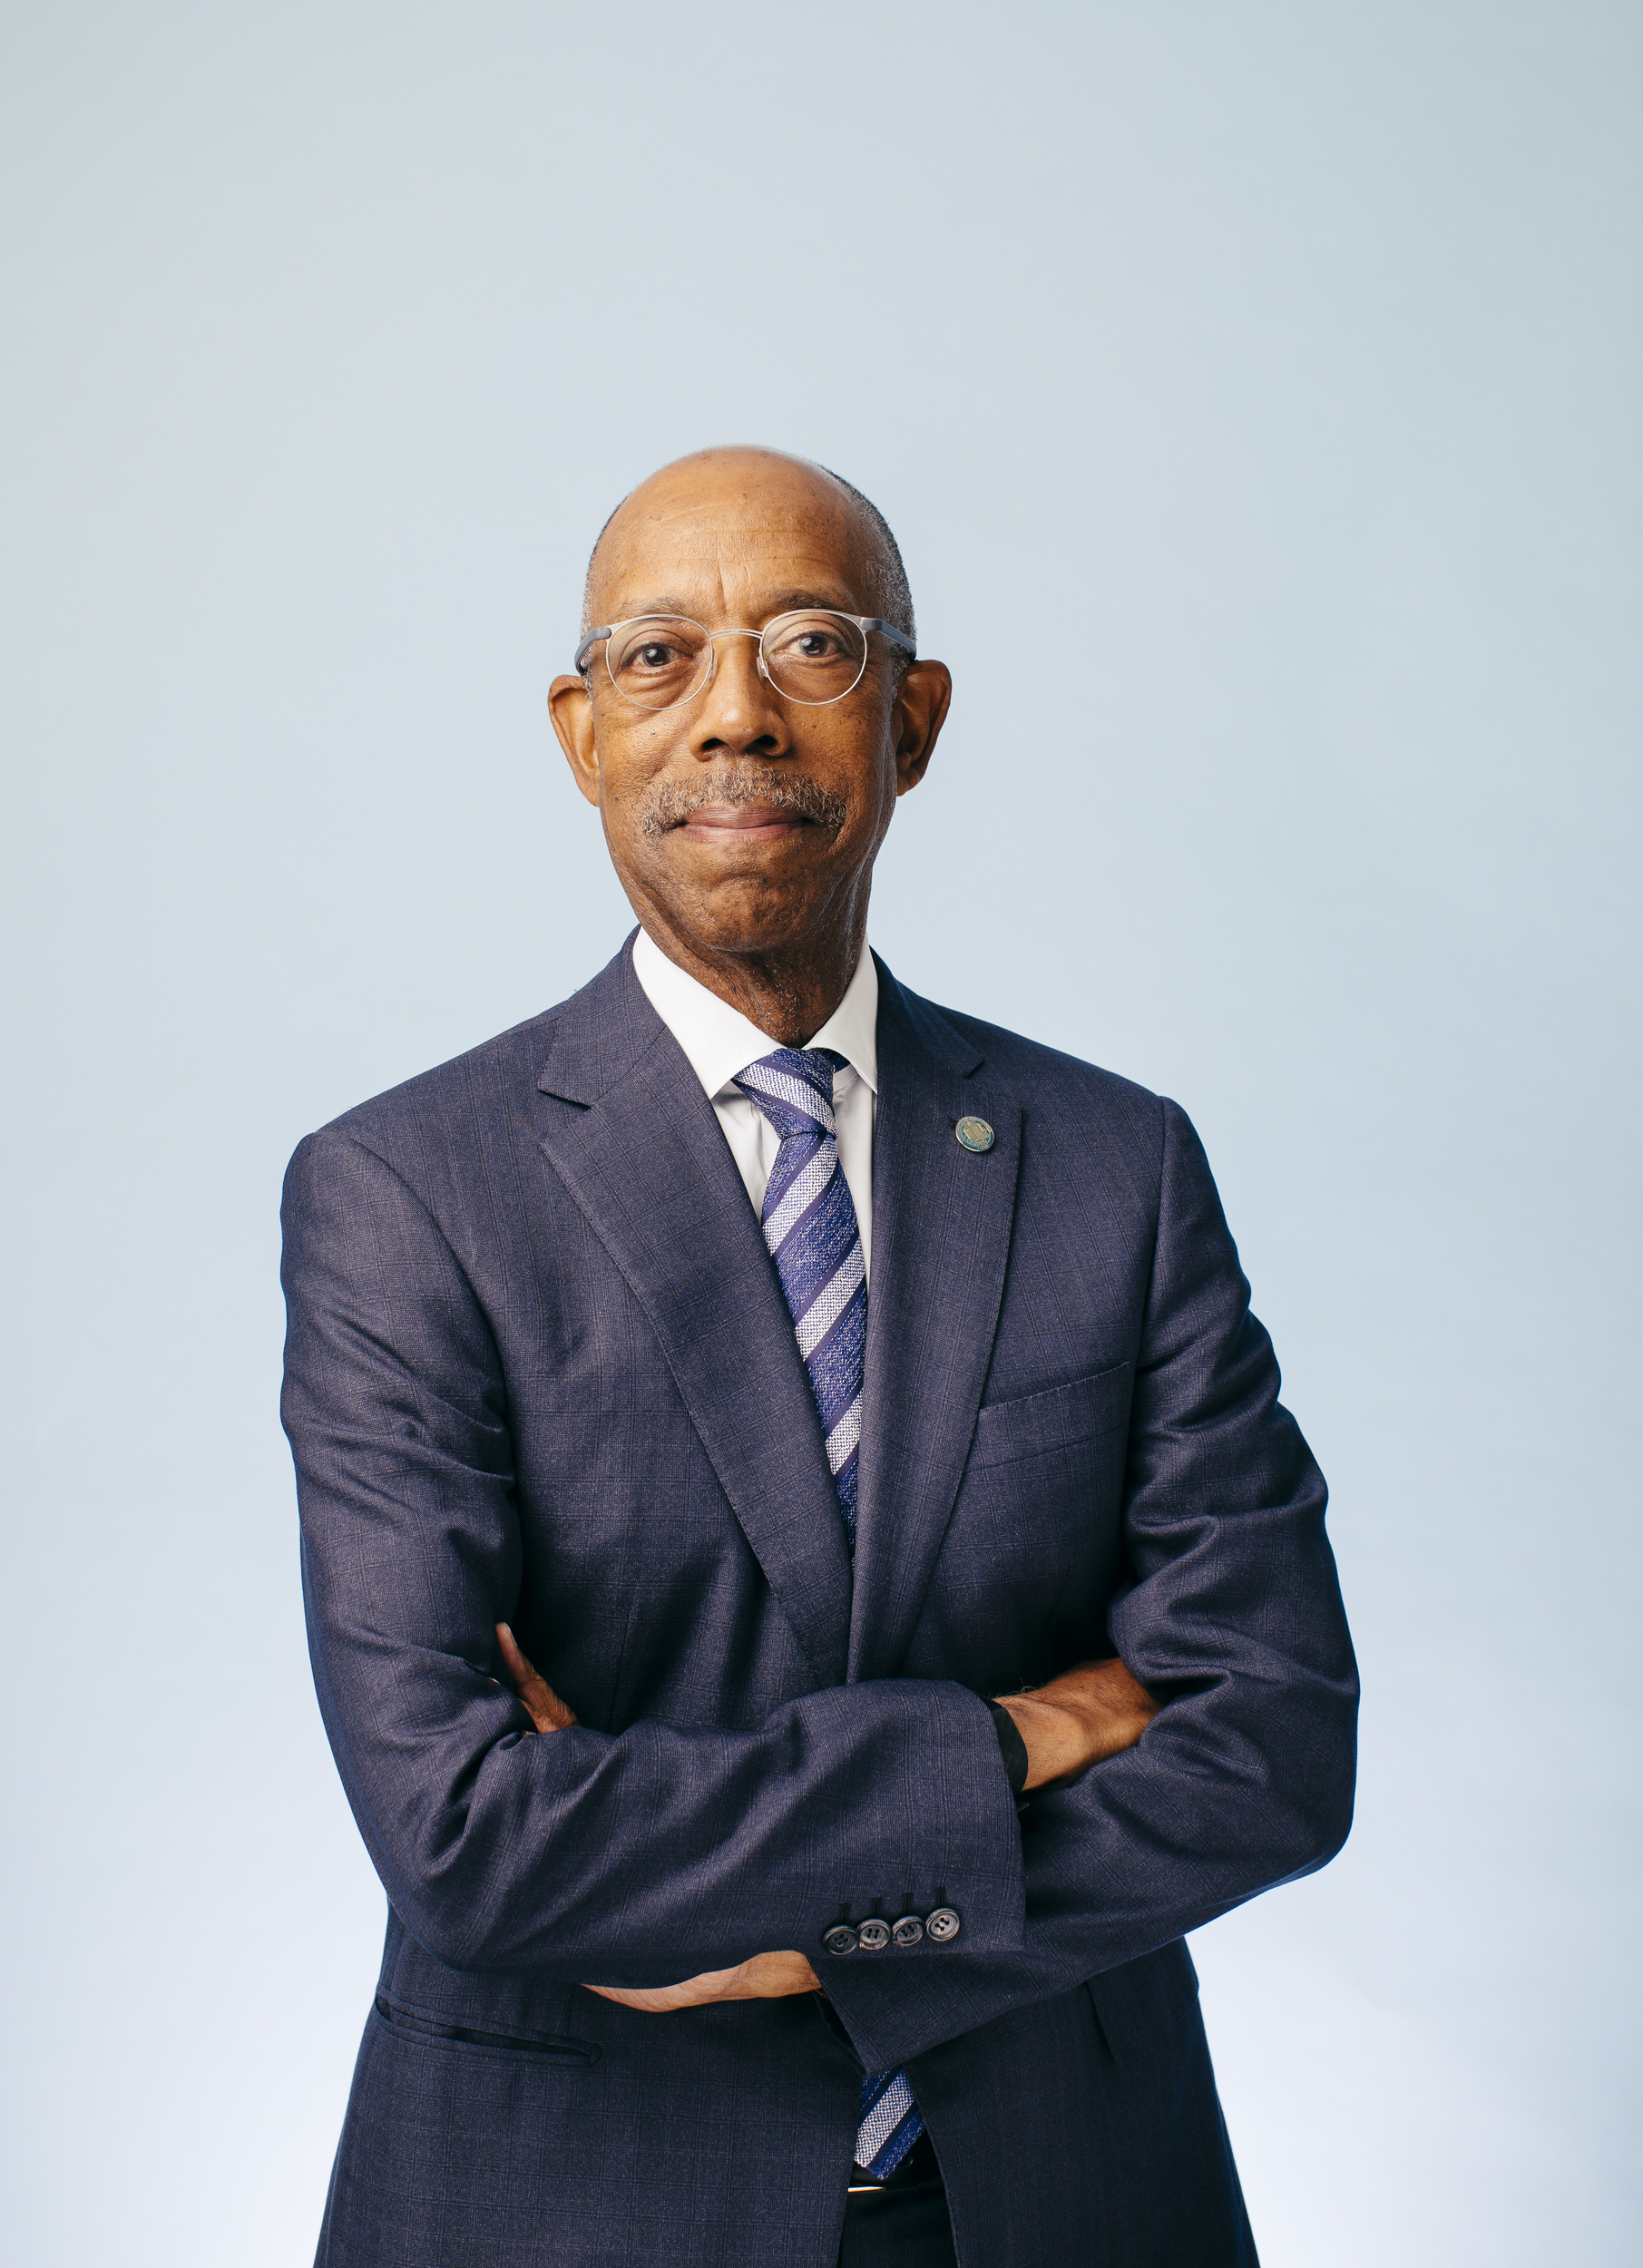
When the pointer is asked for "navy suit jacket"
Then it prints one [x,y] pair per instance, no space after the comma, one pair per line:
[540,1370]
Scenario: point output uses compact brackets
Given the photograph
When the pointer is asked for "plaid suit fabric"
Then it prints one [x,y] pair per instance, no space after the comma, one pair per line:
[540,1369]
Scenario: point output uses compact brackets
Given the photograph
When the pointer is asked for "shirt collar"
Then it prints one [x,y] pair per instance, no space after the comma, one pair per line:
[718,1040]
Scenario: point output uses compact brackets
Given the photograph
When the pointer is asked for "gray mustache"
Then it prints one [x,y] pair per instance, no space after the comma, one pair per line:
[667,805]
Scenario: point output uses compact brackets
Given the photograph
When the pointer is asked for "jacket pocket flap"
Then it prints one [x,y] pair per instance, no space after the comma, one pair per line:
[1055,1419]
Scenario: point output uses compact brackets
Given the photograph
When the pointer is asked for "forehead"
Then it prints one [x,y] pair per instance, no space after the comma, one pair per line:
[725,539]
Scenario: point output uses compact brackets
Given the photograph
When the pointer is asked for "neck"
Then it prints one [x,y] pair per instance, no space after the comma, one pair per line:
[789,991]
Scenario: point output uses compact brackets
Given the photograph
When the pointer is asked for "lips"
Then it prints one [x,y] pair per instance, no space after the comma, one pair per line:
[742,819]
[732,804]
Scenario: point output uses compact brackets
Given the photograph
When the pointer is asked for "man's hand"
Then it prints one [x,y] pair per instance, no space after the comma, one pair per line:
[767,1976]
[547,1712]
[1089,1712]
[1093,1711]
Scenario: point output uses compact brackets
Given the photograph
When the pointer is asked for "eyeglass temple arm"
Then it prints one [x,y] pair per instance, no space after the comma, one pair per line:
[897,637]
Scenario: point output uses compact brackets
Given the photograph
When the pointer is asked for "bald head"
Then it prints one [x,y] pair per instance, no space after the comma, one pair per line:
[720,490]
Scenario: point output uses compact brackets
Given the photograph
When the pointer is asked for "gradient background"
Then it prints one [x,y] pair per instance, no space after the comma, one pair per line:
[1254,391]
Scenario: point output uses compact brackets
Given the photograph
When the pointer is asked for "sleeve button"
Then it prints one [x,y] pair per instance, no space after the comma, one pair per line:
[908,1930]
[872,1935]
[943,1925]
[839,1938]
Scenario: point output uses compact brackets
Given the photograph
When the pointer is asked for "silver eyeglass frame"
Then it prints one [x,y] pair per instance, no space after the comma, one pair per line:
[866,624]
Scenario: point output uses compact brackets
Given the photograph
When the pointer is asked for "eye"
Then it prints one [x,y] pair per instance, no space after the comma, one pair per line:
[659,651]
[811,638]
[815,656]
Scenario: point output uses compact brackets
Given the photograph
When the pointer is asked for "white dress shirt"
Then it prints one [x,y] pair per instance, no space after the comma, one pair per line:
[719,1041]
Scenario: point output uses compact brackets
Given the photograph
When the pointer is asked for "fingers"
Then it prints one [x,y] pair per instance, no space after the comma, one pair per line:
[778,1976]
[547,1712]
[767,1976]
[660,2001]
[520,1669]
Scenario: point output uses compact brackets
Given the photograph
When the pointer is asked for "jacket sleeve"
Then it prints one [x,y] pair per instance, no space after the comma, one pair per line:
[636,1858]
[1244,1779]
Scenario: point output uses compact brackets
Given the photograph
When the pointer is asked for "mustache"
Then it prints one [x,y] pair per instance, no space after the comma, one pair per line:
[668,805]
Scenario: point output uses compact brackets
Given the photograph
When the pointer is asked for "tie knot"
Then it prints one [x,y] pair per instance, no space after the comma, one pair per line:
[793,1089]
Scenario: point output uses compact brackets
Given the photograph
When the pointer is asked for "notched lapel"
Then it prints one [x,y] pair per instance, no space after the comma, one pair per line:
[641,1154]
[941,1221]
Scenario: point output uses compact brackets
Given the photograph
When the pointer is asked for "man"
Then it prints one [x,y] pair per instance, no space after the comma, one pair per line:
[811,1589]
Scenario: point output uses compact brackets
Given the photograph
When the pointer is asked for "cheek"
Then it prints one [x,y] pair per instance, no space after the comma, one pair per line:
[629,763]
[873,805]
[859,761]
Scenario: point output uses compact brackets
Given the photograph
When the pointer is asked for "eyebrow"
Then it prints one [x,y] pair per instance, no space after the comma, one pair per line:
[785,602]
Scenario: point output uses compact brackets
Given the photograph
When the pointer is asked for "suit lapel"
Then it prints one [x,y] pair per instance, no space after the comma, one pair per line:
[626,1128]
[942,1218]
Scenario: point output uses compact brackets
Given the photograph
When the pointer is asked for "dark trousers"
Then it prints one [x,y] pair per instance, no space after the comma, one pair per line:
[903,2227]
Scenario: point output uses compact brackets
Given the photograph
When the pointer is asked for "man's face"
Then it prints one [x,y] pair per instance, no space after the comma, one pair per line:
[738,821]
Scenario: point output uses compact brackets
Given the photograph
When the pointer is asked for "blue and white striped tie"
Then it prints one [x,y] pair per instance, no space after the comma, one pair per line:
[811,1230]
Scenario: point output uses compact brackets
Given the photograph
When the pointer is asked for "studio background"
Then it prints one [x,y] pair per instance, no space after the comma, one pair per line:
[1254,393]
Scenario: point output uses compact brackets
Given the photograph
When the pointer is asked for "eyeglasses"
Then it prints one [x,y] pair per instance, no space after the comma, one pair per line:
[657,660]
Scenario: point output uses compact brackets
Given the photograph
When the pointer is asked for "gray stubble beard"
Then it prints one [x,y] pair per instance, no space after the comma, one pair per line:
[667,805]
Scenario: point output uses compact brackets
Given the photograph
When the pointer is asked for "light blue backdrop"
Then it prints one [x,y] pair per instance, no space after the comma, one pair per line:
[1254,390]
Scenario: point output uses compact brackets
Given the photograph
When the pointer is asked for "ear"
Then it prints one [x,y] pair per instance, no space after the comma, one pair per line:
[571,706]
[916,719]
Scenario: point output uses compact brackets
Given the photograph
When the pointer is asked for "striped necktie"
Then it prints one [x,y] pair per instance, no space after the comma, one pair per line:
[813,1235]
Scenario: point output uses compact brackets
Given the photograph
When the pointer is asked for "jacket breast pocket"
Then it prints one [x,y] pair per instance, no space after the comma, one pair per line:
[1035,1424]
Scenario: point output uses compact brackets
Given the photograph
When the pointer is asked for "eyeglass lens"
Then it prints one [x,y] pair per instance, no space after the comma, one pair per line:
[812,658]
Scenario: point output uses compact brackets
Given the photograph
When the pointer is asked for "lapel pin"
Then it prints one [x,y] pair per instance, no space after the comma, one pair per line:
[975,1134]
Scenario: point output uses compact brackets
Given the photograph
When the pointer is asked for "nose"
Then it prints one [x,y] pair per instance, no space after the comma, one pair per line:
[738,710]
